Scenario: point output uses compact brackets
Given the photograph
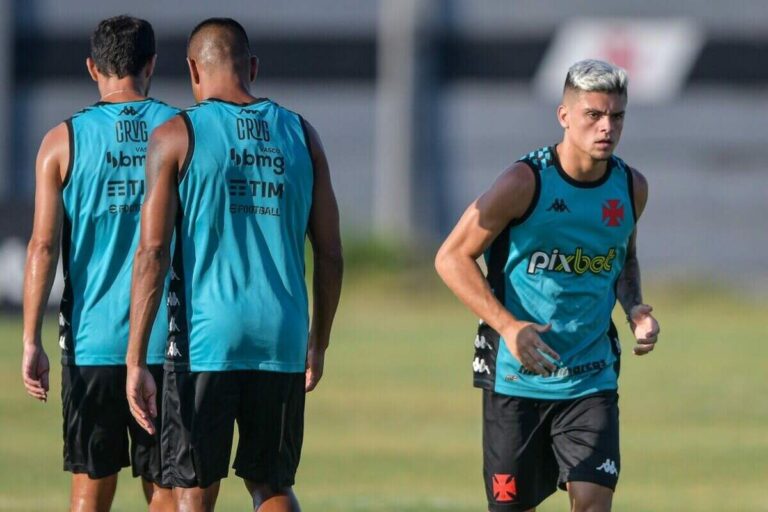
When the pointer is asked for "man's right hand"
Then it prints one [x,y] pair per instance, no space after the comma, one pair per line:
[34,371]
[141,391]
[524,342]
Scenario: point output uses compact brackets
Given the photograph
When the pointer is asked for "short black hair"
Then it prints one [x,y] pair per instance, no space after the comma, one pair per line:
[243,48]
[122,46]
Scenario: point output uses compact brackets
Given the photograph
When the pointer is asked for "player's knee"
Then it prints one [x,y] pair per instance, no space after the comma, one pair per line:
[591,503]
[587,497]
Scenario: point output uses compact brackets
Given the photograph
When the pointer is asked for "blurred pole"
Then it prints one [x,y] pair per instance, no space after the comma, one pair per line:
[407,191]
[6,89]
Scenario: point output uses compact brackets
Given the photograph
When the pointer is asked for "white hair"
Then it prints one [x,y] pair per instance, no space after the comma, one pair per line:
[596,75]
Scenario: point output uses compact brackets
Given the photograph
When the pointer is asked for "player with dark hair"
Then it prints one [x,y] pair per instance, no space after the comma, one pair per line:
[243,181]
[558,233]
[89,191]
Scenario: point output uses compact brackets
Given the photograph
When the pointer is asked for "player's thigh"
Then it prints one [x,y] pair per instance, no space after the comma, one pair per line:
[145,447]
[271,427]
[519,468]
[585,438]
[199,410]
[95,413]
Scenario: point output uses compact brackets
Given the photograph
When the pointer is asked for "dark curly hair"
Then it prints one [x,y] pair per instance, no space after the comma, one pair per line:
[122,46]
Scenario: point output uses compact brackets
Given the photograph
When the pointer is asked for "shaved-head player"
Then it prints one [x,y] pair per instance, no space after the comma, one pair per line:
[558,232]
[88,194]
[243,181]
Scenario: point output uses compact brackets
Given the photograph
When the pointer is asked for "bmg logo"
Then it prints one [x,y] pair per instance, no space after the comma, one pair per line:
[124,160]
[246,159]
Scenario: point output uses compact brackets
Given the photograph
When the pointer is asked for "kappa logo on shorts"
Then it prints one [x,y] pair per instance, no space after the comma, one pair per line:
[480,366]
[504,488]
[481,343]
[173,350]
[609,467]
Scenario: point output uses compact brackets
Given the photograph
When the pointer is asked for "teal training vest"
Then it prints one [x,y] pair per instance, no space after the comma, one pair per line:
[238,300]
[102,196]
[558,264]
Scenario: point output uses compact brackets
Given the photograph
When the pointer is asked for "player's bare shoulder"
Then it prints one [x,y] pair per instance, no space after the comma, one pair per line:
[639,189]
[54,153]
[512,193]
[168,146]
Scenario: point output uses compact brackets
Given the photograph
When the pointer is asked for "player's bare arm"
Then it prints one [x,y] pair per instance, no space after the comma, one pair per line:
[456,262]
[628,288]
[325,237]
[43,255]
[166,153]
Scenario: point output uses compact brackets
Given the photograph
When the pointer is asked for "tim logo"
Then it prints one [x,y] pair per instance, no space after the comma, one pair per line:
[123,160]
[613,213]
[504,488]
[128,111]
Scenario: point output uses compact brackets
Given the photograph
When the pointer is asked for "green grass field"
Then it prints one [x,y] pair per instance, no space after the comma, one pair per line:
[395,423]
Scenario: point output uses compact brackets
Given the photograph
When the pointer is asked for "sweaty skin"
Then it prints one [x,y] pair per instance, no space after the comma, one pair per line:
[592,123]
[40,270]
[220,68]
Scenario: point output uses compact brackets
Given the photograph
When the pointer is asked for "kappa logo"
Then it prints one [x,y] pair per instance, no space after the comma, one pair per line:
[128,111]
[613,213]
[481,343]
[63,342]
[174,275]
[173,300]
[172,327]
[559,206]
[480,366]
[173,350]
[609,467]
[504,488]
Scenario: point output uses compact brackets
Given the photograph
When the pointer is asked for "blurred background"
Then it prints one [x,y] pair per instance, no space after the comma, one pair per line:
[420,104]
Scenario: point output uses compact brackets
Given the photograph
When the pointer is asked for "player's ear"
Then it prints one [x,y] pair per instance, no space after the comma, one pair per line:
[92,69]
[254,67]
[562,116]
[149,68]
[194,74]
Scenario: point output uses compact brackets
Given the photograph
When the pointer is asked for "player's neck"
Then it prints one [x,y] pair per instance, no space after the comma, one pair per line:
[120,90]
[228,89]
[579,165]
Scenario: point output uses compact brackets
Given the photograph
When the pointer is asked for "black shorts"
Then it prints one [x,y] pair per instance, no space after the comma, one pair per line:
[199,414]
[98,423]
[531,447]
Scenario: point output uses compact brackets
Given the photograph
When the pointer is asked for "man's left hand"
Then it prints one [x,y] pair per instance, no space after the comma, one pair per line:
[644,327]
[315,362]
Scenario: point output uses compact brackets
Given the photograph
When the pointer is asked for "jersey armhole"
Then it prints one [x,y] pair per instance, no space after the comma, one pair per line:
[631,190]
[307,142]
[71,141]
[534,200]
[190,147]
